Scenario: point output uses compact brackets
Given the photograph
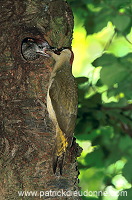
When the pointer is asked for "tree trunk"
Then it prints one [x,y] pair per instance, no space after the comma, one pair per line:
[26,133]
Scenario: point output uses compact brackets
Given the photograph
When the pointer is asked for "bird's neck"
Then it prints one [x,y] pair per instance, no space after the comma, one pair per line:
[60,64]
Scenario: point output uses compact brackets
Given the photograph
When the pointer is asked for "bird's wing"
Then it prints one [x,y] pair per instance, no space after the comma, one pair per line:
[64,101]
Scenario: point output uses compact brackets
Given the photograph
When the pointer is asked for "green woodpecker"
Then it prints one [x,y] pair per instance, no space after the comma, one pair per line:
[62,103]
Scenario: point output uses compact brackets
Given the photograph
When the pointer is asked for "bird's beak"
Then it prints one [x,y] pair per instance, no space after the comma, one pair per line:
[51,50]
[43,52]
[54,50]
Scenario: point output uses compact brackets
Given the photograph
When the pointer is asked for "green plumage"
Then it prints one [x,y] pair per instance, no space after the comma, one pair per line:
[64,101]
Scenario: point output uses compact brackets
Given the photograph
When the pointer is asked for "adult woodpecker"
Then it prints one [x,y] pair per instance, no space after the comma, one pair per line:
[32,48]
[62,101]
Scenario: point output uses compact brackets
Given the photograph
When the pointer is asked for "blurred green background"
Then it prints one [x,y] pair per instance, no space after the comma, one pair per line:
[102,44]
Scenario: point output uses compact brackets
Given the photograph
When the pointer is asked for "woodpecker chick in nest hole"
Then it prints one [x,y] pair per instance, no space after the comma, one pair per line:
[32,48]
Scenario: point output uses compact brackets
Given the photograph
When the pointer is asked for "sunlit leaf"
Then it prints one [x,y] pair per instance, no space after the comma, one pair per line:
[105,94]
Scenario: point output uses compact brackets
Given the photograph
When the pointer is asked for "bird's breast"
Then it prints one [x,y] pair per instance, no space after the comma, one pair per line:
[50,107]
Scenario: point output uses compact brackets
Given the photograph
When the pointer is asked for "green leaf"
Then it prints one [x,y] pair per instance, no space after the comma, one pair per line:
[127,171]
[95,158]
[105,60]
[89,24]
[121,103]
[95,100]
[83,127]
[126,195]
[121,22]
[125,86]
[127,61]
[120,2]
[112,75]
[81,80]
[125,144]
[102,18]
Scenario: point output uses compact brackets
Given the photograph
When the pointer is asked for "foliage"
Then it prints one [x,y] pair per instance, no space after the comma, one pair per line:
[103,66]
[95,14]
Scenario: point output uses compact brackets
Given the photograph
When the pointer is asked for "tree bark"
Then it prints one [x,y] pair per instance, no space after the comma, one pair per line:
[26,133]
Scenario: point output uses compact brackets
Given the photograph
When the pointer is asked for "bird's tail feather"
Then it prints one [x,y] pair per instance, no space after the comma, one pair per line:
[55,160]
[59,151]
[58,162]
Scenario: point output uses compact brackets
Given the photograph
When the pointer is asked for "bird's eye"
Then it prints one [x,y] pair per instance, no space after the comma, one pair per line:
[40,46]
